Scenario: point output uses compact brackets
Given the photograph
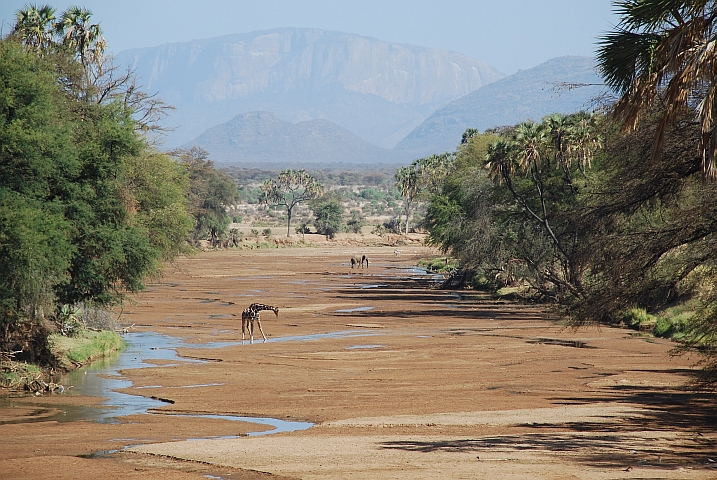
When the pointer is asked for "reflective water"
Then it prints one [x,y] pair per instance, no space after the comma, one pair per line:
[102,378]
[357,309]
[355,347]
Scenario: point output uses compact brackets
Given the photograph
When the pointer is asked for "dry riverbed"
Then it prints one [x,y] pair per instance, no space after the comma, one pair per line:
[401,381]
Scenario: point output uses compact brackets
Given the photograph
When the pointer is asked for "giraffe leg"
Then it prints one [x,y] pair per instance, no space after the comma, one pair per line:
[262,331]
[243,328]
[251,331]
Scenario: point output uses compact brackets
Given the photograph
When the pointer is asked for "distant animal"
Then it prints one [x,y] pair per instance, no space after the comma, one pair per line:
[397,252]
[250,314]
[359,261]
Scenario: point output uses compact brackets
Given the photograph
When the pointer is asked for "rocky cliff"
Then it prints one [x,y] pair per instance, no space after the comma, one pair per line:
[378,90]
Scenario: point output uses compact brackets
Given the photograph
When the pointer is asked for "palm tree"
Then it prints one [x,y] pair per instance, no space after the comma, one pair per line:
[584,141]
[500,162]
[81,36]
[665,51]
[407,183]
[34,27]
[530,141]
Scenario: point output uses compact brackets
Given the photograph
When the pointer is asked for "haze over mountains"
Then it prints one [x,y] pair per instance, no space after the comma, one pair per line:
[380,91]
[561,85]
[310,97]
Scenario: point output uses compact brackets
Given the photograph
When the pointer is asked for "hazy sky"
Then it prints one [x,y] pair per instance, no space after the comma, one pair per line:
[506,34]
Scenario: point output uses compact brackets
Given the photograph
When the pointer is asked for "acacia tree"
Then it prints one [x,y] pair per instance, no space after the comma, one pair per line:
[289,189]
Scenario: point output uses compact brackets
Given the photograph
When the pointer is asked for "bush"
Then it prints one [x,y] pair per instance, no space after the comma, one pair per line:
[356,223]
[670,327]
[638,319]
[96,318]
[328,211]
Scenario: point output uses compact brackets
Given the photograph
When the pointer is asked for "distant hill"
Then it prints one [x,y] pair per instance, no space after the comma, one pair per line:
[380,91]
[527,94]
[260,139]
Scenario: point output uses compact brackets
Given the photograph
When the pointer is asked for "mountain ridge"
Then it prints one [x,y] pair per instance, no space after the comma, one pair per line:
[508,101]
[261,139]
[210,81]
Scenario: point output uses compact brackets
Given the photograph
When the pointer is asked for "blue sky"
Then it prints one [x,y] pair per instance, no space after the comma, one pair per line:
[506,34]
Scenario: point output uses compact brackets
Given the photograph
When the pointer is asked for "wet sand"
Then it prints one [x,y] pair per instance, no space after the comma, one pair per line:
[402,380]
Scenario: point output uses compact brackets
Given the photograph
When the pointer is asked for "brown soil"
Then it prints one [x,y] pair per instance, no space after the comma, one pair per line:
[431,384]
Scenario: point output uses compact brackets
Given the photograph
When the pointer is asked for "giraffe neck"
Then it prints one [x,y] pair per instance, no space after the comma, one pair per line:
[258,307]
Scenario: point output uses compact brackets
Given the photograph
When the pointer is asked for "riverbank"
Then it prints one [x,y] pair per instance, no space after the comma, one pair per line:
[402,380]
[69,352]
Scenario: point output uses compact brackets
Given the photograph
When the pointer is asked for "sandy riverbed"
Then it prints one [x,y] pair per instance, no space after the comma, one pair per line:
[420,383]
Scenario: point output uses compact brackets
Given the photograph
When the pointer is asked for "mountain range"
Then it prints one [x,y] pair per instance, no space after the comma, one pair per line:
[378,90]
[560,85]
[306,97]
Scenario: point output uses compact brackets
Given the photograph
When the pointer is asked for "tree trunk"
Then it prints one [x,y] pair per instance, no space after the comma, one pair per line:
[288,222]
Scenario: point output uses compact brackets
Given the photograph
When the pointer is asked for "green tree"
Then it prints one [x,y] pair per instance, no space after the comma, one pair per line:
[211,191]
[34,27]
[289,189]
[328,214]
[82,218]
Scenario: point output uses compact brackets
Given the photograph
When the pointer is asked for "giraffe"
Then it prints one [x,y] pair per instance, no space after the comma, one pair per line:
[250,314]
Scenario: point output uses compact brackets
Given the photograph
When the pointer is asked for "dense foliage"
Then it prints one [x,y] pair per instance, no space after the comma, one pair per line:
[88,209]
[610,217]
[328,214]
[211,191]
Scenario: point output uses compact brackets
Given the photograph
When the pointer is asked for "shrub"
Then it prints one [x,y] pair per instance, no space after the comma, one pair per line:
[638,318]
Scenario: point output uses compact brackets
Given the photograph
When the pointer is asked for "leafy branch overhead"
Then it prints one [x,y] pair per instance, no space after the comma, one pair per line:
[662,56]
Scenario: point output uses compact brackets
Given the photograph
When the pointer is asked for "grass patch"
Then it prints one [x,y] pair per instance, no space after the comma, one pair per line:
[439,265]
[85,347]
[674,322]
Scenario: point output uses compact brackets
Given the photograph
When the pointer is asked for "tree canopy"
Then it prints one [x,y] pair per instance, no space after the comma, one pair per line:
[289,189]
[88,209]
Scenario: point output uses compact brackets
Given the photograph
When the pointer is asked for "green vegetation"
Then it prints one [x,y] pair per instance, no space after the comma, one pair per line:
[86,346]
[289,189]
[210,191]
[89,209]
[639,319]
[608,217]
[328,211]
[439,264]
